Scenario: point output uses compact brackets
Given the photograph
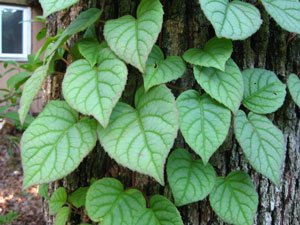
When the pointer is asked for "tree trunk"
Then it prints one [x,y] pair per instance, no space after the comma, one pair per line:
[185,26]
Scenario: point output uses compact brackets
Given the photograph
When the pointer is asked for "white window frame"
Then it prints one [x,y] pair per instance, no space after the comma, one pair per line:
[26,34]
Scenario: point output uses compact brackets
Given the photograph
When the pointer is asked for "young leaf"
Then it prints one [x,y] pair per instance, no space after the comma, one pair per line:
[18,79]
[226,87]
[57,200]
[141,138]
[51,6]
[90,49]
[78,197]
[234,199]
[235,20]
[204,123]
[160,70]
[286,13]
[62,216]
[43,191]
[55,143]
[190,180]
[215,54]
[264,92]
[294,88]
[132,39]
[161,212]
[262,143]
[106,201]
[95,90]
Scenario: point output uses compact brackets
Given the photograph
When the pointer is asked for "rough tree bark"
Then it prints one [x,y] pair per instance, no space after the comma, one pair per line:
[184,27]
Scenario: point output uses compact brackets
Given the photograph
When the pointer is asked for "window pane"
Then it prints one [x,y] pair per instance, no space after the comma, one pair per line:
[12,31]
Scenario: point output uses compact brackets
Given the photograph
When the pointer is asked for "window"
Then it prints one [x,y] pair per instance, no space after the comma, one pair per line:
[15,37]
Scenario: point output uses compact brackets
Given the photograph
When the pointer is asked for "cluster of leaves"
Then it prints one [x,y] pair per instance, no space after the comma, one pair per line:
[141,138]
[9,217]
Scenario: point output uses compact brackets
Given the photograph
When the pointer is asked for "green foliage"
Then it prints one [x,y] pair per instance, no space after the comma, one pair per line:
[9,217]
[294,88]
[51,6]
[43,191]
[57,200]
[62,216]
[77,198]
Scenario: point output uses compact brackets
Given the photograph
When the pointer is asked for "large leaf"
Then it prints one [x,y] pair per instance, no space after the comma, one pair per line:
[141,138]
[294,88]
[132,39]
[264,92]
[235,20]
[95,90]
[106,201]
[234,199]
[51,6]
[55,143]
[189,179]
[204,123]
[262,143]
[62,216]
[90,49]
[160,70]
[57,200]
[226,87]
[286,13]
[77,198]
[161,212]
[215,54]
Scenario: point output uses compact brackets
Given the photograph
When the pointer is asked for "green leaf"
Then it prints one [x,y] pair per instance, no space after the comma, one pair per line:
[13,115]
[160,70]
[4,108]
[234,199]
[204,123]
[286,13]
[294,88]
[141,138]
[226,87]
[55,143]
[161,212]
[62,216]
[77,198]
[90,49]
[262,143]
[215,54]
[43,191]
[189,179]
[264,92]
[57,200]
[132,39]
[51,6]
[95,90]
[18,79]
[106,201]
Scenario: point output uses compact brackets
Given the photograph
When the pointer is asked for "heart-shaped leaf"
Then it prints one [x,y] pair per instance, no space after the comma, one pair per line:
[106,201]
[215,54]
[95,90]
[161,212]
[226,87]
[89,49]
[55,143]
[286,13]
[235,20]
[77,198]
[262,143]
[57,200]
[294,88]
[62,216]
[190,180]
[204,123]
[264,92]
[51,6]
[234,199]
[141,138]
[132,39]
[160,70]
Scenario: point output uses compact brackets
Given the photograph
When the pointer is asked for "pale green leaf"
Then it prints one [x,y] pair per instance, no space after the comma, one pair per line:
[235,20]
[95,90]
[141,138]
[226,87]
[62,216]
[57,200]
[285,12]
[161,212]
[262,143]
[190,180]
[234,199]
[43,191]
[55,143]
[215,54]
[90,49]
[51,6]
[77,198]
[204,123]
[132,39]
[106,201]
[294,88]
[160,70]
[264,92]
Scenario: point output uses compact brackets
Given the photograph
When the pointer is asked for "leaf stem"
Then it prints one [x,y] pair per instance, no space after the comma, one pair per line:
[84,216]
[175,87]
